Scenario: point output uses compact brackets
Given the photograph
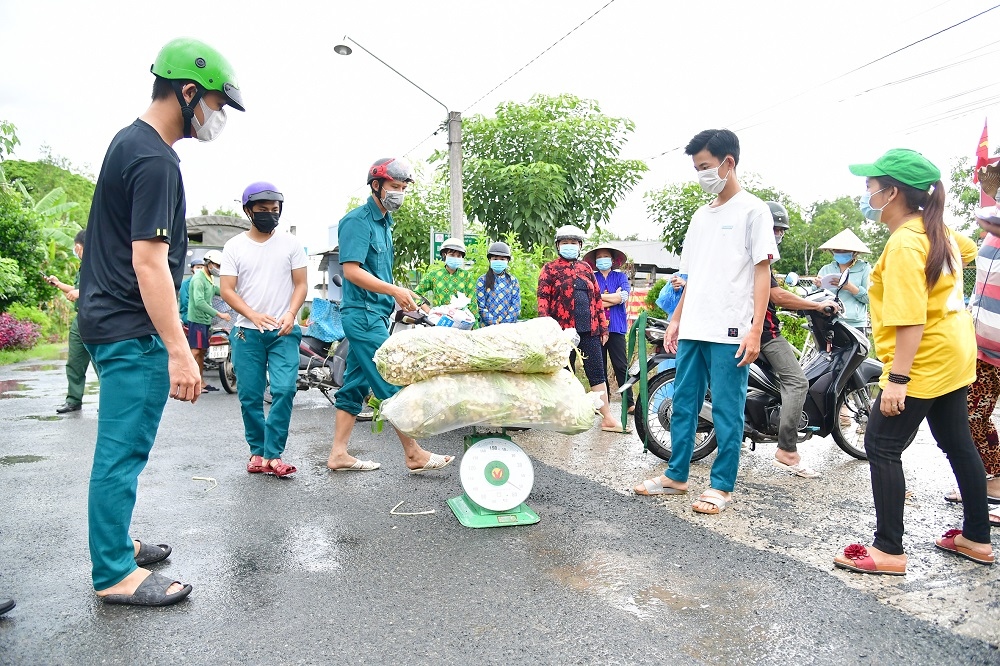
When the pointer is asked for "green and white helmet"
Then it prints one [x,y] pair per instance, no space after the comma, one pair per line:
[189,59]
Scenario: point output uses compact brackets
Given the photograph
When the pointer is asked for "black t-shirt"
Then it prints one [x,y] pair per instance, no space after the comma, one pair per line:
[772,325]
[139,196]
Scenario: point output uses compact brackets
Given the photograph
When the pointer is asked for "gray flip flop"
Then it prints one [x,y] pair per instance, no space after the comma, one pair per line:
[149,554]
[151,592]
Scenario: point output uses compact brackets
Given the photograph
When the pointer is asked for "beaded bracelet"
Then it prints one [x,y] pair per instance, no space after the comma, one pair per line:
[898,379]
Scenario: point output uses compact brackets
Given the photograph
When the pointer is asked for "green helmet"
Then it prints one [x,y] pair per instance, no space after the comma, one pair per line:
[190,59]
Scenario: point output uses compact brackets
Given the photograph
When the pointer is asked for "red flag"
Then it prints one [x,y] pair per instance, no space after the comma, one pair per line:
[982,154]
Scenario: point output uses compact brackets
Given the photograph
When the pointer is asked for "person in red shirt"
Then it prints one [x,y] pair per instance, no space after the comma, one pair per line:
[568,292]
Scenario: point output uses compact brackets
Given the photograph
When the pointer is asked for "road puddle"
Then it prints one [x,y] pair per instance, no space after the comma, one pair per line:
[11,388]
[7,461]
[38,367]
[39,417]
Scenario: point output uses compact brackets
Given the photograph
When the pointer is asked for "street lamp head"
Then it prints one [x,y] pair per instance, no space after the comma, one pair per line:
[342,49]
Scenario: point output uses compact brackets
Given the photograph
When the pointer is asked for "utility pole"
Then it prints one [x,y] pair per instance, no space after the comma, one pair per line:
[454,143]
[455,171]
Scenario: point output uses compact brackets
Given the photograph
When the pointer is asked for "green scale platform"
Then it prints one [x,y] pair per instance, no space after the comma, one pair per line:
[497,477]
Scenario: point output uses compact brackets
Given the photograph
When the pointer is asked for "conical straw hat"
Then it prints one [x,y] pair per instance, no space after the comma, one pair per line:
[845,240]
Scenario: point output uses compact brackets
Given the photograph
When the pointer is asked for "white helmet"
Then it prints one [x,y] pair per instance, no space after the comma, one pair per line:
[214,256]
[569,232]
[453,244]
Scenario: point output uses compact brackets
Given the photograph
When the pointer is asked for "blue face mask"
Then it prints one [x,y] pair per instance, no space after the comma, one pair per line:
[569,251]
[498,266]
[454,263]
[603,264]
[843,258]
[873,214]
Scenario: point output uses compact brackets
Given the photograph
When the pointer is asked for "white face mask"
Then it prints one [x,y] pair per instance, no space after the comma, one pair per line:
[214,123]
[710,181]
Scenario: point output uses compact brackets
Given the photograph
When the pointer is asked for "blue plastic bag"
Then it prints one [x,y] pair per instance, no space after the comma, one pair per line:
[669,297]
[324,321]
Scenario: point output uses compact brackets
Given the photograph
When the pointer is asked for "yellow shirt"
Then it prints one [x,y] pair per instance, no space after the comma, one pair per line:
[946,357]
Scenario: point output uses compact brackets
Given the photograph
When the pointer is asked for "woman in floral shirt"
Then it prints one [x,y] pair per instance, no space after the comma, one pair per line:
[568,292]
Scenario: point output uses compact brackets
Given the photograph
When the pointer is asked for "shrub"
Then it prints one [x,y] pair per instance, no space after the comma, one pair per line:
[17,334]
[652,308]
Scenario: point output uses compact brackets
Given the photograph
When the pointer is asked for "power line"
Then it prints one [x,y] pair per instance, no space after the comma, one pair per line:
[836,78]
[527,64]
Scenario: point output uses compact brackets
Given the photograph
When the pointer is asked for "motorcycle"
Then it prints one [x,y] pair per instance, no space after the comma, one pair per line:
[843,385]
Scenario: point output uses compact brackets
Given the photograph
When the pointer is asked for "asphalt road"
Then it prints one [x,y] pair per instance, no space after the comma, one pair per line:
[314,569]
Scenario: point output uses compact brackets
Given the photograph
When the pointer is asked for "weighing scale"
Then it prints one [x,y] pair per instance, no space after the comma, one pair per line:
[497,477]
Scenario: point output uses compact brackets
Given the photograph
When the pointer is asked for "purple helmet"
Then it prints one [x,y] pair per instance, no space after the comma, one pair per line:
[262,191]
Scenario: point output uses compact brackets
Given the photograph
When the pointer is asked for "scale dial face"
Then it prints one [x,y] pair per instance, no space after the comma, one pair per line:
[496,474]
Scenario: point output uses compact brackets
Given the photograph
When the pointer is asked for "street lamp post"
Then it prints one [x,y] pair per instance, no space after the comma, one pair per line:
[454,142]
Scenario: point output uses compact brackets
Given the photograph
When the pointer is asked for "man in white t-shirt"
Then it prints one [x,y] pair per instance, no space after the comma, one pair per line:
[716,328]
[264,281]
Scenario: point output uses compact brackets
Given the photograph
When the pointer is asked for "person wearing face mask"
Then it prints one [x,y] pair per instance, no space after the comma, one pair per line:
[780,355]
[847,248]
[605,260]
[364,236]
[498,293]
[200,312]
[263,277]
[77,357]
[136,242]
[568,292]
[717,326]
[444,280]
[925,338]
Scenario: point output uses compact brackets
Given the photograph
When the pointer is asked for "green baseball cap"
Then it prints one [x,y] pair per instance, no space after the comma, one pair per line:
[186,58]
[907,166]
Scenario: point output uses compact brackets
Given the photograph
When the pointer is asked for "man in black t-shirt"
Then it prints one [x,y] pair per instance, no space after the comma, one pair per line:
[136,241]
[782,359]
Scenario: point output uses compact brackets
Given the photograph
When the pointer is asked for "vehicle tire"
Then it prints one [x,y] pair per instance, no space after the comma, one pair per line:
[857,403]
[227,374]
[652,422]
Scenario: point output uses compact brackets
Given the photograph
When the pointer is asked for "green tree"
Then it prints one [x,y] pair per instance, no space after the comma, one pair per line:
[525,265]
[552,161]
[800,248]
[8,139]
[671,209]
[40,178]
[21,240]
[426,205]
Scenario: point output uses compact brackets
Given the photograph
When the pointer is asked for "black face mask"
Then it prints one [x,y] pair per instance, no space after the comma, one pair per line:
[265,222]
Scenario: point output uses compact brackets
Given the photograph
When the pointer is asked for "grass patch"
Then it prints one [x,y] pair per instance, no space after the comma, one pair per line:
[47,351]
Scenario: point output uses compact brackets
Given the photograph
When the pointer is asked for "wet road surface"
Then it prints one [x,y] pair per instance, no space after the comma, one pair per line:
[314,569]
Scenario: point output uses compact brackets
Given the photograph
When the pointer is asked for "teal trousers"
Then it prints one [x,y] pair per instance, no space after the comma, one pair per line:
[701,365]
[134,388]
[77,362]
[366,331]
[257,358]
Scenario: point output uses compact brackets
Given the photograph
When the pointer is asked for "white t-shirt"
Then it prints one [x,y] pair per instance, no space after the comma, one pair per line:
[721,248]
[263,271]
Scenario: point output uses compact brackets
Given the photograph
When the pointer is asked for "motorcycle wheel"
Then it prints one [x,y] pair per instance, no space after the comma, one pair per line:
[227,374]
[267,390]
[652,422]
[857,404]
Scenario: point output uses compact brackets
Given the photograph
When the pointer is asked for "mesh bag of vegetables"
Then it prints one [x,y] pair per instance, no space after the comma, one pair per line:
[555,401]
[526,347]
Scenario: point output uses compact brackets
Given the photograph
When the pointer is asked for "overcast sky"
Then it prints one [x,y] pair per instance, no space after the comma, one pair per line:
[77,72]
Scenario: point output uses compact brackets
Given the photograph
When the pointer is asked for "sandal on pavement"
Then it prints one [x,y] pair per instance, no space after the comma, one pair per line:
[995,518]
[796,470]
[359,466]
[715,498]
[656,487]
[856,558]
[256,465]
[620,429]
[947,542]
[436,462]
[955,497]
[151,592]
[280,468]
[150,554]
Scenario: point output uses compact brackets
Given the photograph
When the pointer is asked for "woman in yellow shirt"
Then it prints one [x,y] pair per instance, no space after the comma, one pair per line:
[925,339]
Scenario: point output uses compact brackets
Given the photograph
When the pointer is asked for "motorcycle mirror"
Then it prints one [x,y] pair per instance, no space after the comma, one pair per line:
[843,278]
[792,279]
[337,280]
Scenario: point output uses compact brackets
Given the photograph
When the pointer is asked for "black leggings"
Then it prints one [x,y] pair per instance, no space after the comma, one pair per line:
[593,359]
[615,349]
[885,438]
